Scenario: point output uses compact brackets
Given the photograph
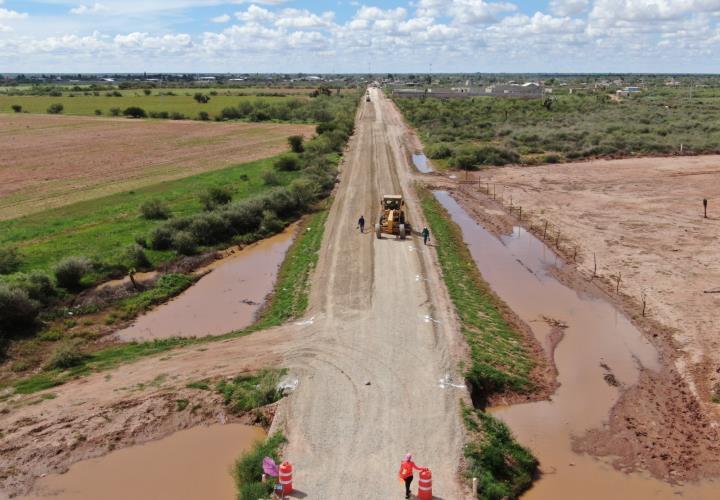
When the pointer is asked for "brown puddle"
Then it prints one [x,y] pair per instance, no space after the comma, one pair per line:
[187,465]
[223,300]
[516,267]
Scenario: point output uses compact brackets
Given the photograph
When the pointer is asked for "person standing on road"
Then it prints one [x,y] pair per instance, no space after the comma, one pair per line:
[425,235]
[361,223]
[406,472]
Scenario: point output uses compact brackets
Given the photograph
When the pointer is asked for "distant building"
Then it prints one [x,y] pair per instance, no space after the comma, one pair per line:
[530,90]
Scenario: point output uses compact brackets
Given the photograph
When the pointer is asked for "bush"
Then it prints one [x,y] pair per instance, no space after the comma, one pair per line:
[203,116]
[215,197]
[98,112]
[271,223]
[245,217]
[55,109]
[177,116]
[67,355]
[551,159]
[136,257]
[161,238]
[270,178]
[208,229]
[141,241]
[184,243]
[17,309]
[70,272]
[17,108]
[38,286]
[296,143]
[154,210]
[247,470]
[201,98]
[10,260]
[115,111]
[135,112]
[160,115]
[287,163]
[439,151]
[473,157]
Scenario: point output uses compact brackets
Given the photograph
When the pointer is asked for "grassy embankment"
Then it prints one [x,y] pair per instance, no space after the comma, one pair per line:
[288,301]
[499,361]
[470,133]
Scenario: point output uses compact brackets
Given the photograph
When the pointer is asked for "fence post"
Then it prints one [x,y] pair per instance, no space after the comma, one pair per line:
[545,229]
[594,265]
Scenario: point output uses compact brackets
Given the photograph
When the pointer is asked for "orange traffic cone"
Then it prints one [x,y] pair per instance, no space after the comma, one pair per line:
[425,485]
[285,478]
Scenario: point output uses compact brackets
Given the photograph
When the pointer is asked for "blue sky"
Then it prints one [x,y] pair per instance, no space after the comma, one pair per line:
[358,36]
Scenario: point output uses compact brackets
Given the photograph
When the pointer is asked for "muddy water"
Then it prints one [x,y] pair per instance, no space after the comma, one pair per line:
[517,268]
[224,300]
[188,465]
[421,163]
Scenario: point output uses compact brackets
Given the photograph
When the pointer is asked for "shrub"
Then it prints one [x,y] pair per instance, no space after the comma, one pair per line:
[161,238]
[215,197]
[55,109]
[201,98]
[17,309]
[135,112]
[17,108]
[551,159]
[136,257]
[98,112]
[296,143]
[270,178]
[115,111]
[160,115]
[67,355]
[439,151]
[203,116]
[247,470]
[247,392]
[38,286]
[10,260]
[208,229]
[175,115]
[141,241]
[287,163]
[147,91]
[184,243]
[70,272]
[245,217]
[154,210]
[270,223]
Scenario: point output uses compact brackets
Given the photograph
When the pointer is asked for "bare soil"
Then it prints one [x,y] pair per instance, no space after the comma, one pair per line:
[643,220]
[49,161]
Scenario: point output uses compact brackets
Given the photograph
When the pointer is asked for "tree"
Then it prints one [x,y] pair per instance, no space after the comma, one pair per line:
[17,108]
[201,98]
[147,91]
[135,112]
[55,109]
[296,143]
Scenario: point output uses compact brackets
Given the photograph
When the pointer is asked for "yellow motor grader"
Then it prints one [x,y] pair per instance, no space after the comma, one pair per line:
[392,217]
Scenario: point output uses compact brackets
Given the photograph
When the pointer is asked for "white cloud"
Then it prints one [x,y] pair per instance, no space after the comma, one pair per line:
[6,14]
[95,8]
[221,19]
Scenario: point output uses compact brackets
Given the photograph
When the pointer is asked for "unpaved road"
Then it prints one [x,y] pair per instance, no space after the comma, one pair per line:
[369,356]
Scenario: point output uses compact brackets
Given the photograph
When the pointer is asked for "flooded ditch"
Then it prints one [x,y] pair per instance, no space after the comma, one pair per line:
[421,163]
[601,352]
[187,465]
[225,299]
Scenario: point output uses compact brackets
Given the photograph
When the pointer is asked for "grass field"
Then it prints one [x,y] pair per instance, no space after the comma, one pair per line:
[98,228]
[50,161]
[470,133]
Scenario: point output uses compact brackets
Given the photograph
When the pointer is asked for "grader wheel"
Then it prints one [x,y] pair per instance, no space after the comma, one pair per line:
[378,233]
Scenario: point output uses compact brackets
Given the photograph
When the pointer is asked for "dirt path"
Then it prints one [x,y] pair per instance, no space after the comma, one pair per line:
[369,357]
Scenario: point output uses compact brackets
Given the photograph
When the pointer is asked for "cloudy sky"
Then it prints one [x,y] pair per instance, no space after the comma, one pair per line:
[360,36]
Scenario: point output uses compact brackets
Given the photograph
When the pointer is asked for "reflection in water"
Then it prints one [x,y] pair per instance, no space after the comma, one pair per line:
[224,300]
[516,267]
[187,465]
[421,163]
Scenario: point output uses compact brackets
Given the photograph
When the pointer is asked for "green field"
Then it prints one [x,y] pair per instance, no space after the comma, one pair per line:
[471,133]
[98,228]
[181,103]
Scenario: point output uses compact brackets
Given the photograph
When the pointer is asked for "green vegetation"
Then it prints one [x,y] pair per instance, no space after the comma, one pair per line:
[247,392]
[168,286]
[248,469]
[470,133]
[500,360]
[504,468]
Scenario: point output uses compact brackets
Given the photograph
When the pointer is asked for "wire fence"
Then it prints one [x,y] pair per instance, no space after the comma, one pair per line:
[584,258]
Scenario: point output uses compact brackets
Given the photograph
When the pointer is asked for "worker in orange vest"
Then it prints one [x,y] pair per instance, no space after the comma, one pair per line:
[406,472]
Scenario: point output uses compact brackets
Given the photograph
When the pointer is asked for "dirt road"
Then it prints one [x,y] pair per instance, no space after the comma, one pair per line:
[369,356]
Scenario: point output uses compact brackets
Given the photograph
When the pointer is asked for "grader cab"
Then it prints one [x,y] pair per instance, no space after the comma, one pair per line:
[392,217]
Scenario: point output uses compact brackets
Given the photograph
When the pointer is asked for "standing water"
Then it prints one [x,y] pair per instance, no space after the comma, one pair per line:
[188,465]
[517,268]
[223,300]
[421,163]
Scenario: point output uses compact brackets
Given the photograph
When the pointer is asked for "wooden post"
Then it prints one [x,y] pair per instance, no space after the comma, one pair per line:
[131,274]
[493,191]
[594,265]
[545,229]
[521,213]
[643,297]
[575,254]
[617,287]
[705,206]
[557,240]
[474,486]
